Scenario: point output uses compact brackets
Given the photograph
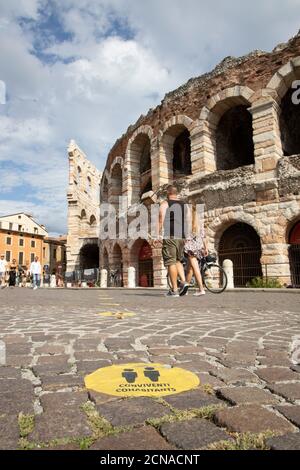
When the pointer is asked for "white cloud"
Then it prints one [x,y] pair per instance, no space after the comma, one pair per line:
[119,59]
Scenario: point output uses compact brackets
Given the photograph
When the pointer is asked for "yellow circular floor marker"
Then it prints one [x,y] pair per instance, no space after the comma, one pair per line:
[117,314]
[141,380]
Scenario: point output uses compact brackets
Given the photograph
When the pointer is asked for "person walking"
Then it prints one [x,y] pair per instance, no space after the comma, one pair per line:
[36,271]
[171,231]
[3,271]
[195,248]
[13,269]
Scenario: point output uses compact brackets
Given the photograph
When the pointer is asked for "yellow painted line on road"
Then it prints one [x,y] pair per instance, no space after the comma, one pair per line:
[118,315]
[136,380]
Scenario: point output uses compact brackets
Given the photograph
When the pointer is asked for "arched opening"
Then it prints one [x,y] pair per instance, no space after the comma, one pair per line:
[89,256]
[93,221]
[290,124]
[294,254]
[234,139]
[241,244]
[116,186]
[78,175]
[83,214]
[182,165]
[142,260]
[116,267]
[89,185]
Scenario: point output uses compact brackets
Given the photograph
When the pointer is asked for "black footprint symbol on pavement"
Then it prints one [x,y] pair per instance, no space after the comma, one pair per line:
[151,373]
[129,375]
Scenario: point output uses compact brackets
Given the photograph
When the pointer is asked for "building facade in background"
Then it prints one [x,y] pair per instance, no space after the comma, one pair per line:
[21,238]
[55,255]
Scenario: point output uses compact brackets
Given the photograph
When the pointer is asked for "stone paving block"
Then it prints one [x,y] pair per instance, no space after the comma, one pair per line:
[212,343]
[100,398]
[14,402]
[192,399]
[57,382]
[162,351]
[193,434]
[93,355]
[9,373]
[189,350]
[295,368]
[289,441]
[145,438]
[206,379]
[18,349]
[197,366]
[51,369]
[236,376]
[289,391]
[18,361]
[62,400]
[118,344]
[132,411]
[9,432]
[14,385]
[162,360]
[251,418]
[292,413]
[276,374]
[242,395]
[60,423]
[269,361]
[62,359]
[86,344]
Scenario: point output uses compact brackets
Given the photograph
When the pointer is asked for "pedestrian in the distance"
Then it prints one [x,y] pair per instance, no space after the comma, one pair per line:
[3,271]
[13,269]
[36,271]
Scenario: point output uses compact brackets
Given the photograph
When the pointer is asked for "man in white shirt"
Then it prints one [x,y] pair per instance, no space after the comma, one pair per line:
[3,270]
[36,271]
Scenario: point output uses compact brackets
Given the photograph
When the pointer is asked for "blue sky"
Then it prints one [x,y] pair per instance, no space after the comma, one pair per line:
[87,69]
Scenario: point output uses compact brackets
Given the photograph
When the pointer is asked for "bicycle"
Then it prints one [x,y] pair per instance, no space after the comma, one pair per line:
[213,275]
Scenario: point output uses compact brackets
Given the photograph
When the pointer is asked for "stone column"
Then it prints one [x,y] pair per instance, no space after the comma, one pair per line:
[267,145]
[131,277]
[103,278]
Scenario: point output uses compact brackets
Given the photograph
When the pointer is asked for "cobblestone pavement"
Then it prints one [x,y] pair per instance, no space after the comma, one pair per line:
[239,344]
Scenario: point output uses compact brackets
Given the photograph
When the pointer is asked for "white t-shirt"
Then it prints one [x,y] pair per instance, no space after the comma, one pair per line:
[35,267]
[3,265]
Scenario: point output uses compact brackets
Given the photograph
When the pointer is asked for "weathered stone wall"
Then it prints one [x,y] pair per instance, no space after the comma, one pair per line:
[83,205]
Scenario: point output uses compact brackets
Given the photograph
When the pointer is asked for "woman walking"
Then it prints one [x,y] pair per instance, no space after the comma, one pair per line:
[195,248]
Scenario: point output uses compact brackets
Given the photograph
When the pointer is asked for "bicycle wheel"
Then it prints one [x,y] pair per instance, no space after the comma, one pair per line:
[214,278]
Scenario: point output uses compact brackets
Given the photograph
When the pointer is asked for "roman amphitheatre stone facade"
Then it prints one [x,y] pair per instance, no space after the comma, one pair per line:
[229,139]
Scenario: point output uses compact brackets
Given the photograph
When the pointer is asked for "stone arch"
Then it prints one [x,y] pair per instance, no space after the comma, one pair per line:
[93,221]
[175,148]
[222,121]
[89,256]
[241,243]
[138,163]
[141,258]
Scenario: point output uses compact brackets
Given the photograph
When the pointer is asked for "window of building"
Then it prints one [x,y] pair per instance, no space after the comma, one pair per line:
[32,256]
[8,240]
[21,258]
[54,253]
[35,230]
[19,228]
[10,226]
[44,252]
[21,242]
[8,256]
[32,243]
